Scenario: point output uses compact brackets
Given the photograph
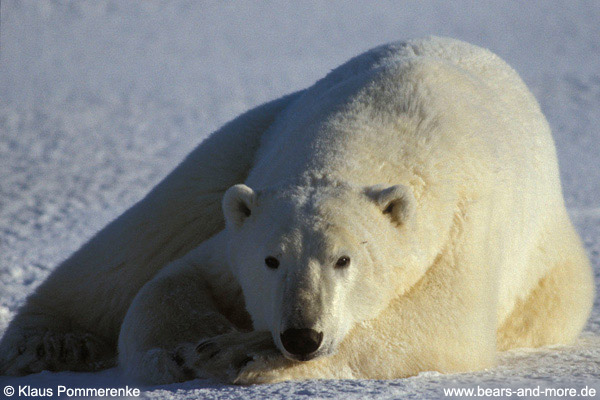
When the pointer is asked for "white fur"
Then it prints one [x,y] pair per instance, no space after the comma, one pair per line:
[427,163]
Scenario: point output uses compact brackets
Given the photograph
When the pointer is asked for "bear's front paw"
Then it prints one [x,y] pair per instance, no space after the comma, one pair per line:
[266,369]
[224,356]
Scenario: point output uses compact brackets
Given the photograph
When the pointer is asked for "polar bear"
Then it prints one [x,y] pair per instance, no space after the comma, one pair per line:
[403,214]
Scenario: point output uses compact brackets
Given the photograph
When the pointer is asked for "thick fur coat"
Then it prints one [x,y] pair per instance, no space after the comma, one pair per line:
[403,214]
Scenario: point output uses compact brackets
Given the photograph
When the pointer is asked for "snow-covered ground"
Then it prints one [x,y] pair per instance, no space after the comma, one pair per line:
[100,99]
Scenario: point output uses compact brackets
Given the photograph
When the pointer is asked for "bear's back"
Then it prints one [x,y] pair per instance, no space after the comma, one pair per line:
[476,60]
[339,119]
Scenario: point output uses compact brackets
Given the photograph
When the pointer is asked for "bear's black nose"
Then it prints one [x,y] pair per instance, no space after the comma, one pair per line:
[301,342]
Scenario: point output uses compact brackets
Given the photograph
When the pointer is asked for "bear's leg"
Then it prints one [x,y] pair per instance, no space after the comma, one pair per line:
[55,350]
[90,292]
[189,322]
[558,307]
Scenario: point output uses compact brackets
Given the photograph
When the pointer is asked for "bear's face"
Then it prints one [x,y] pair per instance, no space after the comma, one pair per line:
[314,261]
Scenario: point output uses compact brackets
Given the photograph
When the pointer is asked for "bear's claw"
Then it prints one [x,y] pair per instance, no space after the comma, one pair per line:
[224,356]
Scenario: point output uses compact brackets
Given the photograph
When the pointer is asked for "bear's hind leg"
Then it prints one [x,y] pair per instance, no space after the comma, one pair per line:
[557,309]
[33,349]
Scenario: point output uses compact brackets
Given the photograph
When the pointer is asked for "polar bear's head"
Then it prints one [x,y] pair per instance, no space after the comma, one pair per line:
[314,260]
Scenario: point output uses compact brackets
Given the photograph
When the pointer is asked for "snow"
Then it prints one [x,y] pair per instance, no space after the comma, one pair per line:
[99,100]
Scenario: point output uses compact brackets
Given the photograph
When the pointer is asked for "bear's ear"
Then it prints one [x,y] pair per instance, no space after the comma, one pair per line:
[238,204]
[397,201]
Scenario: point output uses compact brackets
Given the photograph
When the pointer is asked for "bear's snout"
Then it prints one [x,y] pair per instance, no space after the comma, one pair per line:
[301,343]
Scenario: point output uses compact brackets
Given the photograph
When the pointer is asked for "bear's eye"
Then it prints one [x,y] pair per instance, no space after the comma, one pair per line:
[342,262]
[272,262]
